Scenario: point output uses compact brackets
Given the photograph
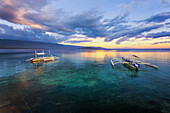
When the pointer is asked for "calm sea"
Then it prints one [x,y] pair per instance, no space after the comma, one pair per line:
[83,81]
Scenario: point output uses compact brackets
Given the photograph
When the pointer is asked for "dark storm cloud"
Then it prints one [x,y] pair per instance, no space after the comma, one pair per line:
[158,35]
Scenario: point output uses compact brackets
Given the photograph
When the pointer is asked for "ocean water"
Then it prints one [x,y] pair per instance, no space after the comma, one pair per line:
[83,81]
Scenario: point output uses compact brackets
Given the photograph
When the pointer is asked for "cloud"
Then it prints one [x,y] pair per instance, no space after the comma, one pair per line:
[158,35]
[116,21]
[87,23]
[131,32]
[121,40]
[52,22]
[13,11]
[77,41]
[165,2]
[119,28]
[91,23]
[168,23]
[30,34]
[161,17]
[42,17]
[161,42]
[34,13]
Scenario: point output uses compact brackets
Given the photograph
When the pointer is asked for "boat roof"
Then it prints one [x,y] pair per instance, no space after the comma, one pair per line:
[130,55]
[40,53]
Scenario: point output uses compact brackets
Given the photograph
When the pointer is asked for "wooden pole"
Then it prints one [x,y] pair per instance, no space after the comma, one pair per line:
[35,54]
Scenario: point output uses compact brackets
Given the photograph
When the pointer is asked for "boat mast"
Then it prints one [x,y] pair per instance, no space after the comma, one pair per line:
[43,54]
[35,54]
[49,53]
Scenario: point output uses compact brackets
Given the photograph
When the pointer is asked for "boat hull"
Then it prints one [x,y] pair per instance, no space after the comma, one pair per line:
[128,65]
[44,59]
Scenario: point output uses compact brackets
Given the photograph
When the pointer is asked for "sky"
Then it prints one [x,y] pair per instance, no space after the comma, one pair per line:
[96,23]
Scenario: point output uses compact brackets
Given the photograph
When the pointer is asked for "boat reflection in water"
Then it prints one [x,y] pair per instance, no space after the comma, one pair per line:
[126,69]
[40,64]
[83,81]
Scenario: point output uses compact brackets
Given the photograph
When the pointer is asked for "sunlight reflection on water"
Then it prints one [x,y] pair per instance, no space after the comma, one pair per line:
[85,80]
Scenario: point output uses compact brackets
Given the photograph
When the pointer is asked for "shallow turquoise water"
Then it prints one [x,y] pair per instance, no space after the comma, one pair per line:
[84,81]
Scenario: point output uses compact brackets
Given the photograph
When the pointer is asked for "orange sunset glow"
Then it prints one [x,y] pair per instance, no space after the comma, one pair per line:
[121,26]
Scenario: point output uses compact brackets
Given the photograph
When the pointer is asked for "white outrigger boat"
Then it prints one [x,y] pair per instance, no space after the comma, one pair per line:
[130,61]
[42,59]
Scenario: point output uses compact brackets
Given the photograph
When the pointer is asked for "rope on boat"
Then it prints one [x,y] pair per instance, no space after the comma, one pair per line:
[24,100]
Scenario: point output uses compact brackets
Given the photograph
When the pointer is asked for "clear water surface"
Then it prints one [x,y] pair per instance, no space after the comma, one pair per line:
[84,81]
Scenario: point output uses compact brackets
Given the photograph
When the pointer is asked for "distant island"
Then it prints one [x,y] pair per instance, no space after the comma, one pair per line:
[21,44]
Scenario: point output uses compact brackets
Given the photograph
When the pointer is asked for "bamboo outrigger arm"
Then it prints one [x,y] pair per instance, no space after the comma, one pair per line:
[118,63]
[150,65]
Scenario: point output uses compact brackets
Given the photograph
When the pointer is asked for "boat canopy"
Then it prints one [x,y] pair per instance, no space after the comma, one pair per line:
[40,53]
[130,55]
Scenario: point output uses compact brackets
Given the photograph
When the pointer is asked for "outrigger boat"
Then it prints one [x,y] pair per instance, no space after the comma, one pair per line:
[130,61]
[42,59]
